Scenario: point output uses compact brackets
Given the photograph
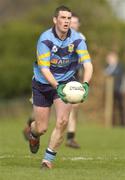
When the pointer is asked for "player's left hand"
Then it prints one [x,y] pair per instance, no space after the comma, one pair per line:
[60,92]
[86,87]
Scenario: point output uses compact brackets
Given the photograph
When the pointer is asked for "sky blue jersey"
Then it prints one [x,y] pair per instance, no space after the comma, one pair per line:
[62,57]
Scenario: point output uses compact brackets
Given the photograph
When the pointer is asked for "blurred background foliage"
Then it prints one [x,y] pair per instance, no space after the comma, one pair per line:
[19,35]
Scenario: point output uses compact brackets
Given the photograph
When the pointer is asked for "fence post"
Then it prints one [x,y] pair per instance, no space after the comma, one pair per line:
[109,88]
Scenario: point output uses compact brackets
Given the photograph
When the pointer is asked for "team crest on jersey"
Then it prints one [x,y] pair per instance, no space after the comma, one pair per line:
[54,49]
[71,47]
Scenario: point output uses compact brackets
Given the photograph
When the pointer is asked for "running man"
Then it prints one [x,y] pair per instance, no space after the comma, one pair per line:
[60,51]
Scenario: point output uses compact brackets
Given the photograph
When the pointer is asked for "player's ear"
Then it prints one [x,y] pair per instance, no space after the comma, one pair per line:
[54,20]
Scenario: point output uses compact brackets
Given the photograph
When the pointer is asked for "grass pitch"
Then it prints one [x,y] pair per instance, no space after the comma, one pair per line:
[101,157]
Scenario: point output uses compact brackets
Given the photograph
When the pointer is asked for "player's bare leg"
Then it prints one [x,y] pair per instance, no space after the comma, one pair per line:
[71,142]
[27,127]
[29,121]
[62,115]
[38,127]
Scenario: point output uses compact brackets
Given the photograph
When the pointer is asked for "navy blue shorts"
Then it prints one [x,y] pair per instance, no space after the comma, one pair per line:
[44,94]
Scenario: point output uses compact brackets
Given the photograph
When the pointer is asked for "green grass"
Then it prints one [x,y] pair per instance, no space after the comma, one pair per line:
[101,157]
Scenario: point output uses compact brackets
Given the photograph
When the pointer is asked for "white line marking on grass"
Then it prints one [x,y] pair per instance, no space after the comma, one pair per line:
[6,156]
[78,158]
[81,158]
[10,156]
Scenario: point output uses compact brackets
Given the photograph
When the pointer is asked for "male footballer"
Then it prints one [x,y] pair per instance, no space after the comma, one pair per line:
[60,51]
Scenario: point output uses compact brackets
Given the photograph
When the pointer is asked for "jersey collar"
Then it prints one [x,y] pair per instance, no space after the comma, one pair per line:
[55,34]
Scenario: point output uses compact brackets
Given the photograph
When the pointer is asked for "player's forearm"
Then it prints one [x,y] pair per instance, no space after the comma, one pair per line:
[49,77]
[88,71]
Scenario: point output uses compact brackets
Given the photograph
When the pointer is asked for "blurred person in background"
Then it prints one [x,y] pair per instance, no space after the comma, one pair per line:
[56,65]
[71,129]
[115,69]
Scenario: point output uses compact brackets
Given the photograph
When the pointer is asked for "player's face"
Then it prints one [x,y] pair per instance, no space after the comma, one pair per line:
[75,23]
[62,21]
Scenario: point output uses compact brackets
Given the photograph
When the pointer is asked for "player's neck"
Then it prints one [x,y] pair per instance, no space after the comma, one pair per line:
[60,34]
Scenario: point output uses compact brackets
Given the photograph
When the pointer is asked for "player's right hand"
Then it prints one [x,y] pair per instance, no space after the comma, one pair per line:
[60,92]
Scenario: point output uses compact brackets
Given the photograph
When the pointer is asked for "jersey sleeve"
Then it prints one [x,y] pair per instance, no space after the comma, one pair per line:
[43,55]
[83,53]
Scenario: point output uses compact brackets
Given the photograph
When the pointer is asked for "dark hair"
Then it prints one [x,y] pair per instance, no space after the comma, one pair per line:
[75,15]
[61,8]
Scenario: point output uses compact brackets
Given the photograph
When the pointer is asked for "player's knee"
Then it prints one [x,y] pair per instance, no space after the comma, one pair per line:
[62,123]
[41,130]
